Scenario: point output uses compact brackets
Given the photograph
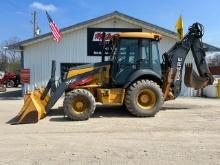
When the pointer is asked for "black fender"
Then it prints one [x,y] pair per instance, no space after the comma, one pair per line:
[144,74]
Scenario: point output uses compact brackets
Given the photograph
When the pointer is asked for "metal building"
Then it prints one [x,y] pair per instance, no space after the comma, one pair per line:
[79,45]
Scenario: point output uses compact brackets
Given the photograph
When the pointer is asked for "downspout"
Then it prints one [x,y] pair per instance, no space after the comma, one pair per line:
[22,66]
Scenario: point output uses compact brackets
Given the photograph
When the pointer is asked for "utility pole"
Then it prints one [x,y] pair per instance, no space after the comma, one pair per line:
[36,30]
[35,23]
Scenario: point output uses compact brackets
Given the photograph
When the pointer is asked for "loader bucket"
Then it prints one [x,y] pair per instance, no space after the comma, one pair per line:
[192,79]
[33,109]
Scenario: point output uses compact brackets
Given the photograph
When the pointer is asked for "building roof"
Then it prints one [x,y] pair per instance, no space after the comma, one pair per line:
[114,14]
[103,18]
[211,48]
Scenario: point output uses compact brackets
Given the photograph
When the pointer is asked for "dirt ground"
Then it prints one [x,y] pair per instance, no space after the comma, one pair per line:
[185,131]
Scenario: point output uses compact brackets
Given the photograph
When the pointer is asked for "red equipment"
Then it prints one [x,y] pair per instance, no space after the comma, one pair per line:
[10,79]
[2,87]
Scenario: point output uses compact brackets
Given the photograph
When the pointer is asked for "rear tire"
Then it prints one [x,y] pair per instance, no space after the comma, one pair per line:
[144,98]
[79,104]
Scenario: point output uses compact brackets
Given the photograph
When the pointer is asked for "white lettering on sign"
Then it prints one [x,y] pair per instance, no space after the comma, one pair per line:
[179,67]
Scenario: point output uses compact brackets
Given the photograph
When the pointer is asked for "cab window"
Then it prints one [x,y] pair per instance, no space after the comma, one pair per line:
[145,50]
[155,57]
[128,51]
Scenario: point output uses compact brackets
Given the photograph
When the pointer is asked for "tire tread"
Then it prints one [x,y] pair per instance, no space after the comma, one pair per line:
[130,97]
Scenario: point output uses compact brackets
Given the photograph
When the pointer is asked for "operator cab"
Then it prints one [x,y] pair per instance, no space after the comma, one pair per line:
[132,52]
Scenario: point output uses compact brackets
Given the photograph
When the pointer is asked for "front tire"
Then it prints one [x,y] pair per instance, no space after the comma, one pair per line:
[144,98]
[79,104]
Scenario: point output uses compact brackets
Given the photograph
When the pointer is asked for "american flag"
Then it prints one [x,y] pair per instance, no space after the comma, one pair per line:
[54,29]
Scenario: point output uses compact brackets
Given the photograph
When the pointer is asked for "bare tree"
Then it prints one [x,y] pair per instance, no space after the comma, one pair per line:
[3,61]
[214,60]
[9,58]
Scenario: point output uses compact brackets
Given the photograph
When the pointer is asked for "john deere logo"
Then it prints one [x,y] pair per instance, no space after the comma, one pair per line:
[179,67]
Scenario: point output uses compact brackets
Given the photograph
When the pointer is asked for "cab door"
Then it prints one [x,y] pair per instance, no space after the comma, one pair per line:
[125,59]
[156,65]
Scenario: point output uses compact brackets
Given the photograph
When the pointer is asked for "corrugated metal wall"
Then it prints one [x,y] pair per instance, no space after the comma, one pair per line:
[72,49]
[38,56]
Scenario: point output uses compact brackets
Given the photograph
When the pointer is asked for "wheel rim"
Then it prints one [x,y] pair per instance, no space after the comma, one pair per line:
[10,84]
[146,99]
[79,105]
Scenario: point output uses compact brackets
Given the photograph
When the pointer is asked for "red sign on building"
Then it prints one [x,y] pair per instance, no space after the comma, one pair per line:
[25,76]
[95,35]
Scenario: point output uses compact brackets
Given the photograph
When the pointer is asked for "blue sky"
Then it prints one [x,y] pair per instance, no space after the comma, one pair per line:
[16,14]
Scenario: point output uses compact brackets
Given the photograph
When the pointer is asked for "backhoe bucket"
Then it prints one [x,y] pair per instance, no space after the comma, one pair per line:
[192,79]
[33,109]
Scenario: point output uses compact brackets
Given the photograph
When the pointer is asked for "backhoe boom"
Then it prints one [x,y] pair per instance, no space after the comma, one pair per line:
[173,61]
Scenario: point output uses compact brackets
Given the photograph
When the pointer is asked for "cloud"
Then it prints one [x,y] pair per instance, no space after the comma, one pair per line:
[41,6]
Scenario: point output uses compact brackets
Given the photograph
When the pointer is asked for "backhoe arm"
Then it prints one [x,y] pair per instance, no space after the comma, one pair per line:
[199,56]
[174,60]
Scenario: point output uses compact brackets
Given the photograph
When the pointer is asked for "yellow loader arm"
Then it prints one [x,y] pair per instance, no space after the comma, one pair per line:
[38,103]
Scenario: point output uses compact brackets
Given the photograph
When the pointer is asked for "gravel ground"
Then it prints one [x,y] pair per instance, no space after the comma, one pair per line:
[185,131]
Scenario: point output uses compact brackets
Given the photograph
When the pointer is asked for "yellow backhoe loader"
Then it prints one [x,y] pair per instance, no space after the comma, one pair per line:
[134,77]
